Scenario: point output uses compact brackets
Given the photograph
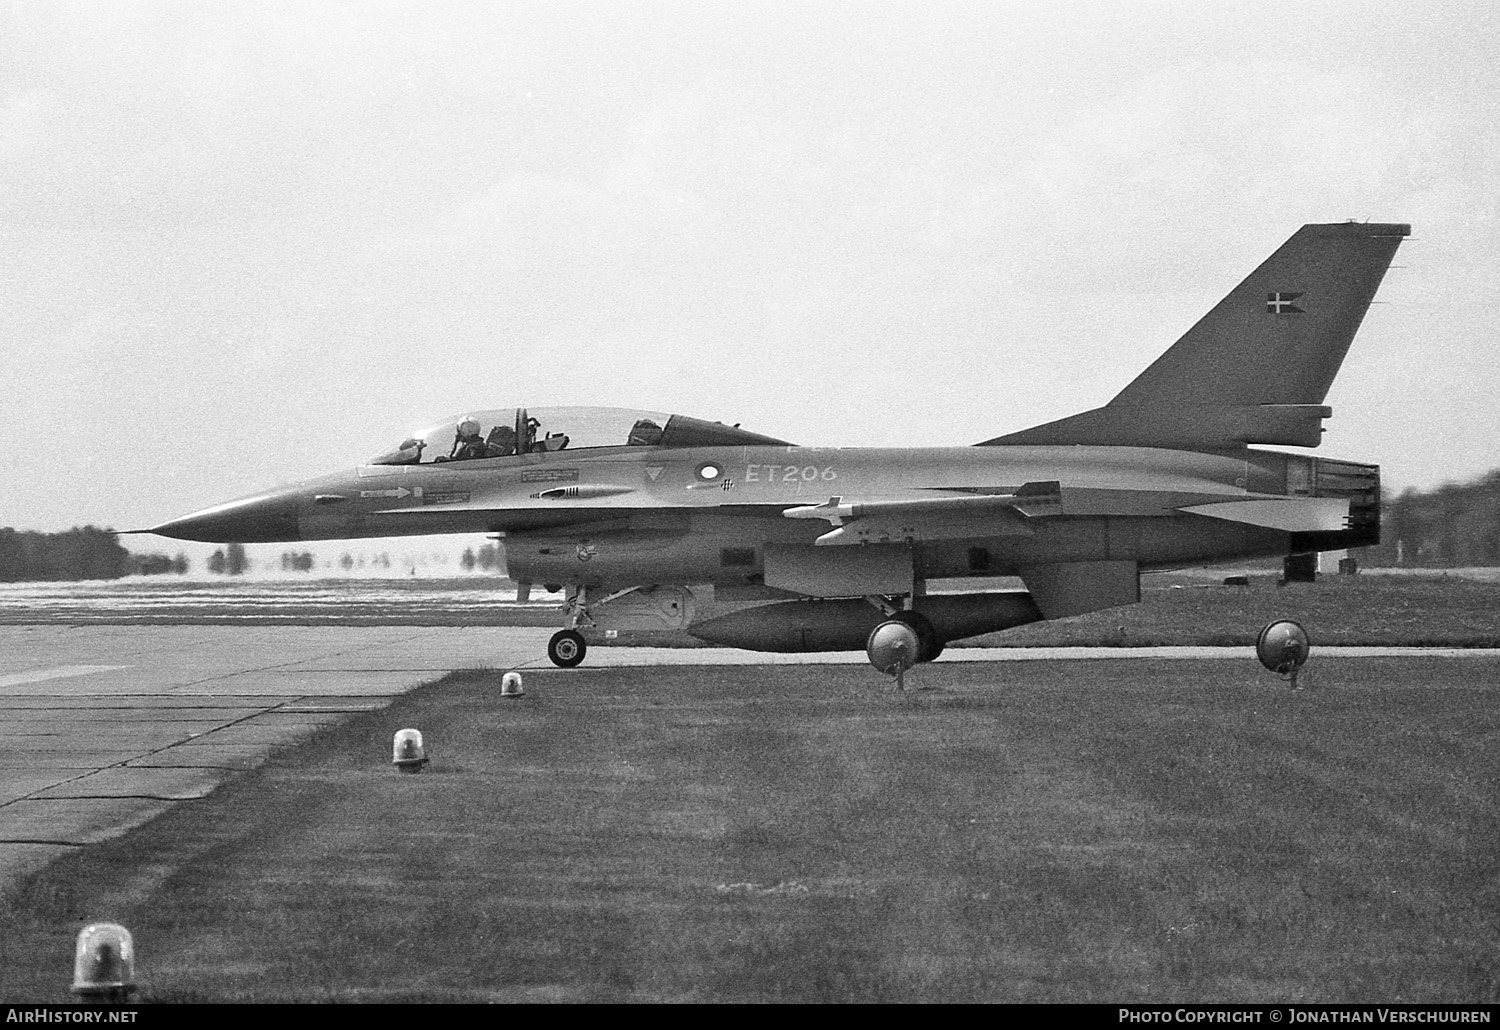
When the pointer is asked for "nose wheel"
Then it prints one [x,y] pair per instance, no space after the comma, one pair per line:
[566,648]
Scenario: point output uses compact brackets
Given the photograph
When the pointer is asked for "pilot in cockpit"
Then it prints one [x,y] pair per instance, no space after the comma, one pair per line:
[467,443]
[501,442]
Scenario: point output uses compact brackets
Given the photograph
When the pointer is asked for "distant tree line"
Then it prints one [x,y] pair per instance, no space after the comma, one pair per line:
[158,564]
[488,558]
[232,561]
[78,553]
[348,562]
[1454,526]
[291,561]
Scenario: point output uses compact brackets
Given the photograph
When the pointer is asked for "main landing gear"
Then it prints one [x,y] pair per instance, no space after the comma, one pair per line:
[931,644]
[567,648]
[905,638]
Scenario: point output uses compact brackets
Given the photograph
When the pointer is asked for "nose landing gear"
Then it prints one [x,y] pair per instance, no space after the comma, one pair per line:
[566,648]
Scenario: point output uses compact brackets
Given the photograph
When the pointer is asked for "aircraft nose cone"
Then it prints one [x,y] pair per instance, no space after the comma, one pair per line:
[262,519]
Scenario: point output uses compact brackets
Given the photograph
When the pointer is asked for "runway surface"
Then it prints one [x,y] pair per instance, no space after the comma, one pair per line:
[103,727]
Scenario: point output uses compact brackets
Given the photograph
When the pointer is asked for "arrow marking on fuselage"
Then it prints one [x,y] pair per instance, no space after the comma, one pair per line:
[397,493]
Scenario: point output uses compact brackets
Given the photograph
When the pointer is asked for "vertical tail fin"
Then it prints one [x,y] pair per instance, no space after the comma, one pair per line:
[1256,368]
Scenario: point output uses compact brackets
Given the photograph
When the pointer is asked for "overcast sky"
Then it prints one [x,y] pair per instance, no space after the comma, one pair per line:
[246,243]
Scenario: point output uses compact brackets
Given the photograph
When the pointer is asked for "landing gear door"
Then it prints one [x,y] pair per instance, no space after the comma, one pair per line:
[649,608]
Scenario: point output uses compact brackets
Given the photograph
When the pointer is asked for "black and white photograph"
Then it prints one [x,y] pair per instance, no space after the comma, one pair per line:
[860,502]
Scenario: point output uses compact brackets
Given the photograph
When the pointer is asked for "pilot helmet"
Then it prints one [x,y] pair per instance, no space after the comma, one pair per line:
[468,427]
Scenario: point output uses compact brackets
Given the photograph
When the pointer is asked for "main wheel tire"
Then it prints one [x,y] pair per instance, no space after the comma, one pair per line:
[893,647]
[932,645]
[566,648]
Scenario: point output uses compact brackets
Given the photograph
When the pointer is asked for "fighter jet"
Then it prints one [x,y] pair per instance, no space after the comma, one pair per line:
[652,520]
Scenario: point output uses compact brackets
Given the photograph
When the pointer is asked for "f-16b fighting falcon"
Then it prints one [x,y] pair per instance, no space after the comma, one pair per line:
[641,517]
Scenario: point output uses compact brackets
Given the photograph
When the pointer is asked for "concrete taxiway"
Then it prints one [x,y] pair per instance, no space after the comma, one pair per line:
[104,727]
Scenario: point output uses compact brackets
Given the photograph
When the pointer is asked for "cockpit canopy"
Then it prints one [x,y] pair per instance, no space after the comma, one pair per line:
[507,432]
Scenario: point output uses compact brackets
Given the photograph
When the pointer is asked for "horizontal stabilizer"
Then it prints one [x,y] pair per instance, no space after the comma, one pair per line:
[1288,514]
